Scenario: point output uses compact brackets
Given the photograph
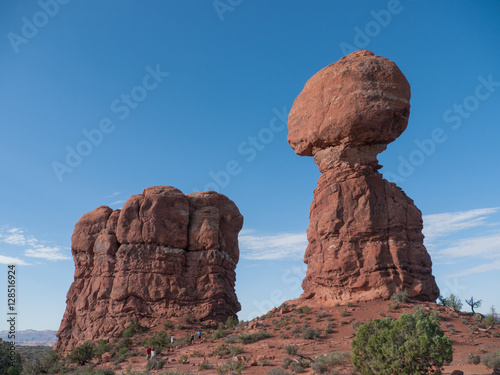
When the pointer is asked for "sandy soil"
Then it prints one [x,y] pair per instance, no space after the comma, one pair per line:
[270,352]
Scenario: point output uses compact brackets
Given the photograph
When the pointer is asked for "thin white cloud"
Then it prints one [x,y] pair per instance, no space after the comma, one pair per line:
[113,194]
[48,253]
[117,202]
[35,248]
[271,247]
[437,226]
[487,246]
[487,267]
[10,260]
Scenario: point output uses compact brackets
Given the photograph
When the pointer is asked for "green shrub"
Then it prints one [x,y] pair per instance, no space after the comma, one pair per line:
[452,301]
[231,367]
[329,328]
[413,344]
[155,364]
[277,371]
[309,333]
[492,360]
[83,353]
[102,347]
[159,340]
[473,359]
[205,366]
[184,359]
[344,313]
[400,296]
[167,324]
[291,349]
[304,310]
[286,362]
[248,338]
[226,350]
[490,321]
[133,328]
[299,366]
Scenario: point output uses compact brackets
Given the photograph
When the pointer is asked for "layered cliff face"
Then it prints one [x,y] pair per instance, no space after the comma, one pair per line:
[365,235]
[163,255]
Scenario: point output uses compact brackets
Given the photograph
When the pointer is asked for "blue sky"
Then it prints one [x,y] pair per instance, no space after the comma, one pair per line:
[195,95]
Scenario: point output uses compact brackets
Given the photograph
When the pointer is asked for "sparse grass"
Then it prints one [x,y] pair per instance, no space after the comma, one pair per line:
[350,304]
[155,364]
[205,366]
[492,360]
[473,359]
[329,328]
[291,349]
[309,333]
[226,350]
[324,363]
[286,362]
[400,297]
[344,313]
[304,310]
[248,338]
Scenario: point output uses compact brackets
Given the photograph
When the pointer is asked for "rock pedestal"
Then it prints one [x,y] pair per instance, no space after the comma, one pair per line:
[365,235]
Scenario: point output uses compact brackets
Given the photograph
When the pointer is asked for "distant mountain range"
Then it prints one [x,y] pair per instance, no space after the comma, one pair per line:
[31,337]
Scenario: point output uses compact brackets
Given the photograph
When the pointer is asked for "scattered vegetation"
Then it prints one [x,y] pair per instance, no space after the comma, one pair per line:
[309,333]
[452,301]
[324,363]
[83,354]
[304,310]
[473,359]
[473,304]
[225,350]
[492,360]
[291,349]
[344,313]
[413,344]
[400,297]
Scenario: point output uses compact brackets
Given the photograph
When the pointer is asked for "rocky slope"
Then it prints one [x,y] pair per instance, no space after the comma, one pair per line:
[164,254]
[365,234]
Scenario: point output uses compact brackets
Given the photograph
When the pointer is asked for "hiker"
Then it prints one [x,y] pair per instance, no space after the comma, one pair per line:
[199,335]
[153,354]
[192,339]
[148,353]
[172,340]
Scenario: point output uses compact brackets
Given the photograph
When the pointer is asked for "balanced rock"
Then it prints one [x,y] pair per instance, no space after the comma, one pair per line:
[163,255]
[365,235]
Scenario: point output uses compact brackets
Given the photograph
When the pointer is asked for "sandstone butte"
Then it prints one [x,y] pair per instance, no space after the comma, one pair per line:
[365,236]
[163,255]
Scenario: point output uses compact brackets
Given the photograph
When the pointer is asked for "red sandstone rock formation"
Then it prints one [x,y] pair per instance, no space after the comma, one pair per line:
[164,254]
[365,235]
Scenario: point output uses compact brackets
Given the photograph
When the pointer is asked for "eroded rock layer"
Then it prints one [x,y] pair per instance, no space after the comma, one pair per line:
[163,255]
[365,235]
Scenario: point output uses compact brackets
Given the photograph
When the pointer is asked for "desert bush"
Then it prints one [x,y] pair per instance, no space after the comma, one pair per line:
[231,367]
[205,366]
[286,362]
[133,328]
[452,301]
[226,350]
[492,360]
[400,297]
[167,324]
[329,328]
[304,310]
[344,313]
[248,338]
[277,371]
[473,359]
[299,366]
[291,349]
[413,344]
[155,364]
[184,359]
[159,340]
[102,347]
[309,333]
[219,333]
[83,353]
